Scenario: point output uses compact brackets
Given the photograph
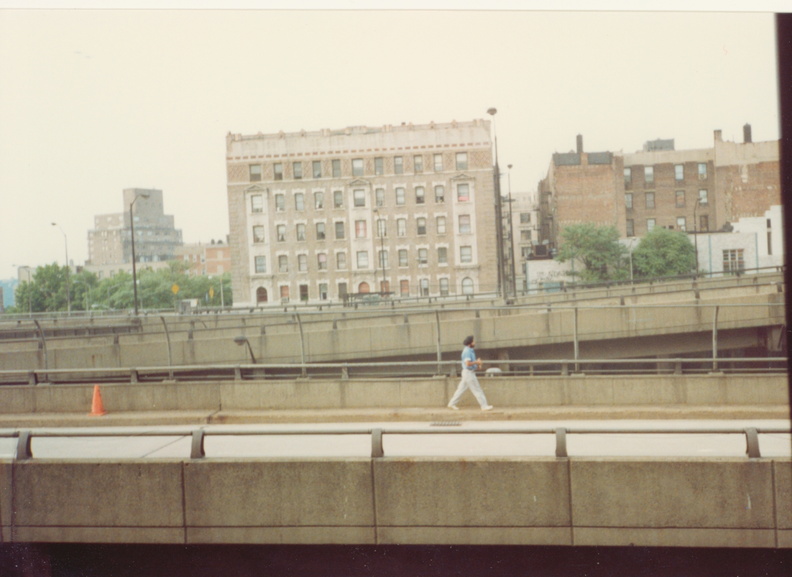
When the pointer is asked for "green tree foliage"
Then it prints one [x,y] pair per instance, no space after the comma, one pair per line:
[47,290]
[594,251]
[664,252]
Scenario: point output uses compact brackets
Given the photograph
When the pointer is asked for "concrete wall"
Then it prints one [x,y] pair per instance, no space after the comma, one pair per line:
[577,390]
[724,502]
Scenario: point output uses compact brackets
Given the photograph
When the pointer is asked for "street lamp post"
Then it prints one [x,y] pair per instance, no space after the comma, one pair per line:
[695,234]
[68,288]
[134,265]
[498,209]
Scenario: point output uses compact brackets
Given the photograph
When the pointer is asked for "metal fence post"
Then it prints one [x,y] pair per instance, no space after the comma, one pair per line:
[302,345]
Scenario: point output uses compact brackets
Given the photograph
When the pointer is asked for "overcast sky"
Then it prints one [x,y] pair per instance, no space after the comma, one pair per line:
[92,102]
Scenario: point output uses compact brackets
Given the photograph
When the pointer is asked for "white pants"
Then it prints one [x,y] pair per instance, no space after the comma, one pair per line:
[469,381]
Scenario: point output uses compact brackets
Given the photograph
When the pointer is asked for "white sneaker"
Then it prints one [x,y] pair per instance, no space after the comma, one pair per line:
[487,408]
[454,407]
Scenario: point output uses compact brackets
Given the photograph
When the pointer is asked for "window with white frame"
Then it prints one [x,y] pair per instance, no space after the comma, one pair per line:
[703,199]
[421,226]
[679,172]
[321,261]
[420,195]
[438,162]
[359,196]
[463,191]
[283,263]
[300,232]
[440,224]
[299,201]
[357,167]
[360,229]
[403,257]
[417,163]
[316,168]
[466,254]
[341,260]
[398,165]
[401,227]
[382,228]
[649,175]
[733,260]
[423,256]
[650,224]
[383,259]
[319,200]
[444,287]
[256,203]
[461,161]
[424,284]
[255,172]
[681,225]
[467,286]
[339,230]
[379,195]
[277,171]
[702,170]
[281,232]
[336,166]
[297,170]
[258,233]
[679,197]
[320,231]
[338,199]
[379,166]
[362,259]
[302,262]
[399,195]
[442,255]
[261,264]
[280,202]
[464,224]
[439,193]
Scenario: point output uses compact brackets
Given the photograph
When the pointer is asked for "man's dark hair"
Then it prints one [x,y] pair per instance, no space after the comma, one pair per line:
[467,341]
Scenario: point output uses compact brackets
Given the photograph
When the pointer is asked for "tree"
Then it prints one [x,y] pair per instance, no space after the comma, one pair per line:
[664,252]
[597,248]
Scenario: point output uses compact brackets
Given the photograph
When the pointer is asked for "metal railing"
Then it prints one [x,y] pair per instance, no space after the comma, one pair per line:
[397,370]
[197,450]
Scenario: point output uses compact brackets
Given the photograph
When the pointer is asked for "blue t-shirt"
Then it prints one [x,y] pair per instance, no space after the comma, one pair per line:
[469,354]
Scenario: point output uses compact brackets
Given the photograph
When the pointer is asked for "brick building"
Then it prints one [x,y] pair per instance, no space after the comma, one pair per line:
[690,190]
[329,214]
[205,259]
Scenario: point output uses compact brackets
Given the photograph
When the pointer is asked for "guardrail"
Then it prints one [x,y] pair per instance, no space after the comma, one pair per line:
[197,450]
[413,369]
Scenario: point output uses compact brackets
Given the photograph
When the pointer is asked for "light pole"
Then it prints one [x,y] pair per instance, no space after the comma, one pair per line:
[132,230]
[498,209]
[68,288]
[380,233]
[695,234]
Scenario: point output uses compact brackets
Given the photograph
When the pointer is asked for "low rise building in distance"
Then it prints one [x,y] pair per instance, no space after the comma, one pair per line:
[402,210]
[206,259]
[156,237]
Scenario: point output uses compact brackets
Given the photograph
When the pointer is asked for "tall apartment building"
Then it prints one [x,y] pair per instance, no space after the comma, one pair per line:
[156,238]
[696,190]
[323,215]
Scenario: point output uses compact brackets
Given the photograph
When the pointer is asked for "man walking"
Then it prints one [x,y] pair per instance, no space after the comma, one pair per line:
[469,380]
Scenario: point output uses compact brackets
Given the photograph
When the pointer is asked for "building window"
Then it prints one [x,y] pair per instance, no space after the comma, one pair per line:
[322,291]
[628,200]
[379,195]
[398,165]
[261,264]
[702,171]
[338,199]
[302,262]
[650,200]
[318,200]
[404,288]
[297,170]
[440,223]
[627,177]
[703,222]
[461,161]
[417,163]
[339,230]
[359,196]
[341,261]
[336,165]
[650,224]
[320,231]
[360,229]
[382,228]
[284,293]
[255,172]
[277,170]
[362,259]
[733,260]
[442,255]
[300,232]
[464,224]
[385,287]
[281,232]
[379,166]
[401,227]
[525,235]
[680,198]
[261,295]
[257,203]
[357,167]
[403,257]
[399,195]
[424,283]
[630,227]
[438,162]
[467,286]
[280,203]
[466,254]
[258,233]
[525,218]
[383,259]
[283,263]
[342,289]
[649,175]
[463,192]
[423,256]
[679,172]
[439,192]
[681,223]
[421,225]
[703,196]
[299,202]
[420,195]
[316,168]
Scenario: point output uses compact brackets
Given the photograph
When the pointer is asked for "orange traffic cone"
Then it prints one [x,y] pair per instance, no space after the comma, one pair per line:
[97,407]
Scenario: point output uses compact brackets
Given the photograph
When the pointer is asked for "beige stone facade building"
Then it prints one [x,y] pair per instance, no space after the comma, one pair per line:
[698,190]
[334,214]
[205,259]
